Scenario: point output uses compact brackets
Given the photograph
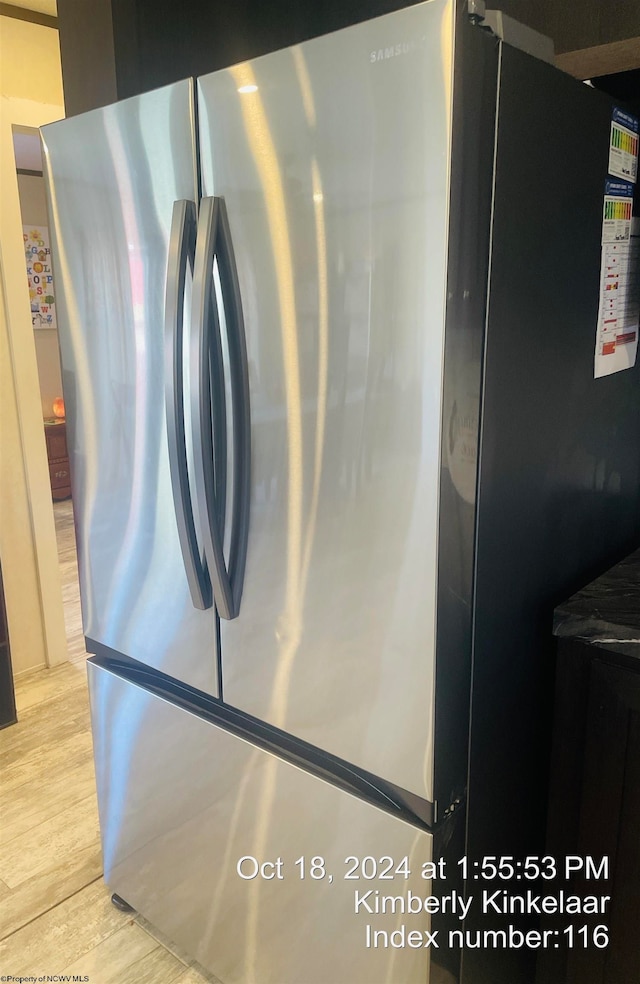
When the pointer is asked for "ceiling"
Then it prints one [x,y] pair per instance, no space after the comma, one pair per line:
[42,6]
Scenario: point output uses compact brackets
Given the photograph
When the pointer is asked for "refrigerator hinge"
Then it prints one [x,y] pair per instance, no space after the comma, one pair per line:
[511,31]
[476,10]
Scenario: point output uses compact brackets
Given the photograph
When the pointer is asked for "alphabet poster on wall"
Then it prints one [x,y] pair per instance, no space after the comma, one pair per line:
[38,257]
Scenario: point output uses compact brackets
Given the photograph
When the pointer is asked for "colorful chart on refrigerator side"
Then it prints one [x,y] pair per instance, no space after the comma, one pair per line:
[619,304]
[623,146]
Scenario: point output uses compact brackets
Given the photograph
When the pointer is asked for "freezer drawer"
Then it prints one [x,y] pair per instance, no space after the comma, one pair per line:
[182,801]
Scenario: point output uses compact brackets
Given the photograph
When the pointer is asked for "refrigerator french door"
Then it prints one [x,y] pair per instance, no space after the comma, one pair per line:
[339,228]
[113,177]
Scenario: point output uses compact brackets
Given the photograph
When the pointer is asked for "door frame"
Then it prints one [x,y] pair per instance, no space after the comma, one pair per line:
[28,548]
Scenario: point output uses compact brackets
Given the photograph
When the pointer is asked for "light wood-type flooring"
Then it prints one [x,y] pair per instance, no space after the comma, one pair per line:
[56,916]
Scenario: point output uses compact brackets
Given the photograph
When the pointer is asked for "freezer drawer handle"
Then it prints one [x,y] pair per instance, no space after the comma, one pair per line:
[181,252]
[207,374]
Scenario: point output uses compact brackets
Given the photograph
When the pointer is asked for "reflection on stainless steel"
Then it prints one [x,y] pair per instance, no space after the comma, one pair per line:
[335,172]
[323,321]
[263,151]
[113,176]
[175,837]
[281,685]
[260,141]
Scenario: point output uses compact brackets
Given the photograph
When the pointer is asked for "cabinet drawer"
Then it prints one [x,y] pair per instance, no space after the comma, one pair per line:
[59,473]
[56,443]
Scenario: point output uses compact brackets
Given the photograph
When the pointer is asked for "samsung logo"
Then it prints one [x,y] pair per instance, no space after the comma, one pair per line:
[402,48]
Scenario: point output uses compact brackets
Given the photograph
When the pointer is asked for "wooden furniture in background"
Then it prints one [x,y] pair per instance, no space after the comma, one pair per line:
[58,457]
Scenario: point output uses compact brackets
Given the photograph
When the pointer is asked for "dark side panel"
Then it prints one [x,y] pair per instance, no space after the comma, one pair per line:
[474,106]
[560,451]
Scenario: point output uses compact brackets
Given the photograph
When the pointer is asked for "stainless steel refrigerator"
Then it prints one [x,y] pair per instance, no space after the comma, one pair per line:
[284,310]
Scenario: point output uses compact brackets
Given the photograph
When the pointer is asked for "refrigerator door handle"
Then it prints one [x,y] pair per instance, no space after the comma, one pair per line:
[241,412]
[207,395]
[213,245]
[181,252]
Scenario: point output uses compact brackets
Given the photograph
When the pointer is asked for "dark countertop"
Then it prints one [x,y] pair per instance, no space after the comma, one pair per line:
[607,612]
